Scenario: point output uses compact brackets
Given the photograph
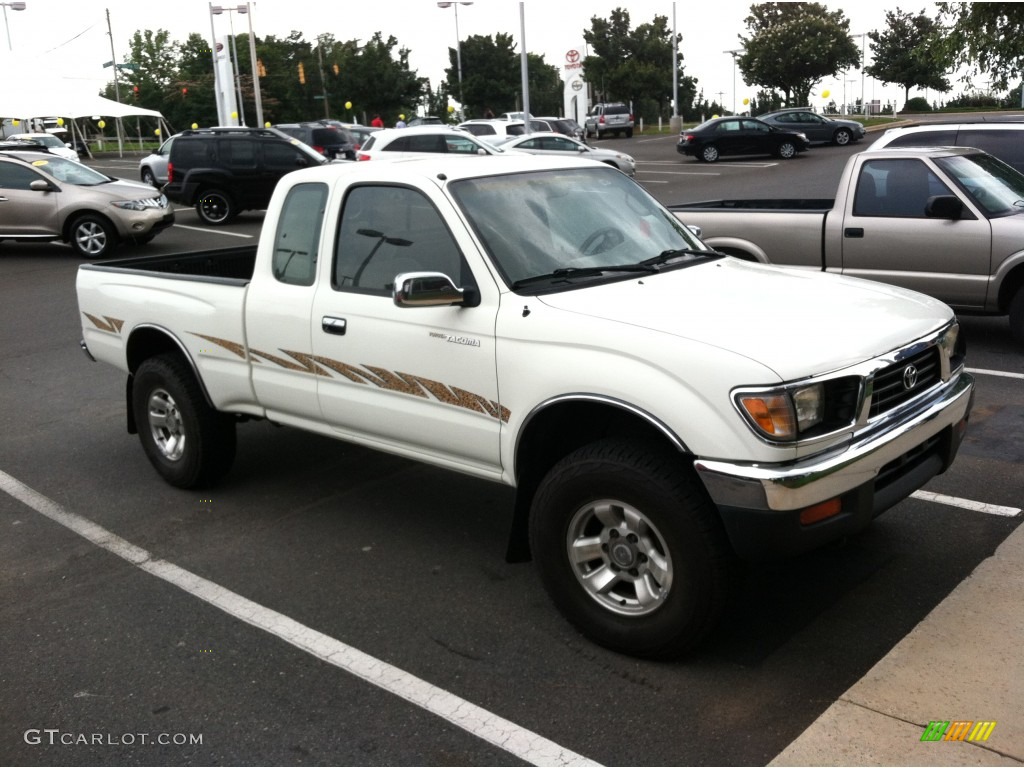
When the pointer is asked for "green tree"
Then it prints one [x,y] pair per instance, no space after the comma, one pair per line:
[906,53]
[987,36]
[635,65]
[491,75]
[793,46]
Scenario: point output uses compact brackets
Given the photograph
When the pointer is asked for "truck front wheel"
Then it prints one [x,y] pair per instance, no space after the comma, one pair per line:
[631,549]
[190,444]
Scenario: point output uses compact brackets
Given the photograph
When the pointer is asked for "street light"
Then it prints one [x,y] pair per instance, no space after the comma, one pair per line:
[15,5]
[733,53]
[458,41]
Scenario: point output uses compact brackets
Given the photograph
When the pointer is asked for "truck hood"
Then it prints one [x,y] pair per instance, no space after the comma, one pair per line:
[772,315]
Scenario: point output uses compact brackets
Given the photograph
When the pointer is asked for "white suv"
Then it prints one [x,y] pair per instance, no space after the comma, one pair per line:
[395,143]
[1004,140]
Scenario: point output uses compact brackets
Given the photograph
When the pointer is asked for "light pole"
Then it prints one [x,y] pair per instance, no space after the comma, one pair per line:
[15,5]
[458,41]
[733,53]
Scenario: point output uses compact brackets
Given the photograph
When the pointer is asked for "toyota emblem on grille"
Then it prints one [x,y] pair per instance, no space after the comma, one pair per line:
[909,377]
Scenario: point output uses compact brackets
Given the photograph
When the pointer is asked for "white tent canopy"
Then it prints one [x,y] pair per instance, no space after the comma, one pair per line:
[64,99]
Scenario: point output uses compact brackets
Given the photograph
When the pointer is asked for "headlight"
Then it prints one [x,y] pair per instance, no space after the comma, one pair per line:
[131,205]
[789,413]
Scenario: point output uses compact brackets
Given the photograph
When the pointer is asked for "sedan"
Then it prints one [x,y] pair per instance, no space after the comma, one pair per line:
[818,128]
[739,136]
[52,143]
[557,144]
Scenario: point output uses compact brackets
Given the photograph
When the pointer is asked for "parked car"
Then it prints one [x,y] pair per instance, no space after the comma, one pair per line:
[395,143]
[739,136]
[360,133]
[427,120]
[614,117]
[331,141]
[557,144]
[494,129]
[565,126]
[818,129]
[47,197]
[52,143]
[224,171]
[1004,140]
[153,167]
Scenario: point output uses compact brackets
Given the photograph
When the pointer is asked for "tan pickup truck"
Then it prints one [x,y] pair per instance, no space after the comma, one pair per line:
[943,221]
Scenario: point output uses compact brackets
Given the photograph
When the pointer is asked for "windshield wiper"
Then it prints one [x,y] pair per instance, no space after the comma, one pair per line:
[571,272]
[674,253]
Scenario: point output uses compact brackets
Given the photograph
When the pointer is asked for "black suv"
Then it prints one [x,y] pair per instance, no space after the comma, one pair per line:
[224,171]
[330,141]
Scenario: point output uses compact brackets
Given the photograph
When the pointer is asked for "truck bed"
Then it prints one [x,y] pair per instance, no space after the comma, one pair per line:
[230,265]
[809,204]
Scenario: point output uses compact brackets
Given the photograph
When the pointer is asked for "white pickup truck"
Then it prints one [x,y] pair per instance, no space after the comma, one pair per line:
[945,221]
[659,408]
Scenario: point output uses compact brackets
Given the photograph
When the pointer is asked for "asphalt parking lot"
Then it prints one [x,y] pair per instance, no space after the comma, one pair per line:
[327,605]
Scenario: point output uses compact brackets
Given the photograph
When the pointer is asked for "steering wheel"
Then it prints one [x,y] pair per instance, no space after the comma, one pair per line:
[601,240]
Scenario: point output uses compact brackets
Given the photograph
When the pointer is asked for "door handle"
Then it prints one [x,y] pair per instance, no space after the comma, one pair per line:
[335,325]
[853,232]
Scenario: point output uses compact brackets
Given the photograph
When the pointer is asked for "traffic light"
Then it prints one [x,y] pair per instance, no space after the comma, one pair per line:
[302,74]
[262,70]
[184,92]
[135,91]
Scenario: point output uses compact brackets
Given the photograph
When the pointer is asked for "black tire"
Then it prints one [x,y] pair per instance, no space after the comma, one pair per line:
[1017,316]
[148,177]
[215,207]
[708,154]
[188,443]
[787,150]
[639,523]
[842,137]
[92,236]
[629,133]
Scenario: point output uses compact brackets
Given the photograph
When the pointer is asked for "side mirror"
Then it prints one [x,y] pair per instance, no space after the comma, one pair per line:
[431,289]
[40,185]
[695,230]
[944,207]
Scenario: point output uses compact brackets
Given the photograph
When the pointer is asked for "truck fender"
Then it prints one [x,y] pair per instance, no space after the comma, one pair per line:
[1008,281]
[146,341]
[738,247]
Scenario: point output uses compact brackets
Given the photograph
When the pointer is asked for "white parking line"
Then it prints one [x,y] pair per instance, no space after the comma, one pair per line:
[976,506]
[212,231]
[520,742]
[1005,374]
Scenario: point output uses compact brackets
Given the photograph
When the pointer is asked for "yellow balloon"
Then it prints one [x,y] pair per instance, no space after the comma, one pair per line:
[234,115]
[156,132]
[714,116]
[101,123]
[348,105]
[826,94]
[266,124]
[17,123]
[450,109]
[401,117]
[60,121]
[194,126]
[745,102]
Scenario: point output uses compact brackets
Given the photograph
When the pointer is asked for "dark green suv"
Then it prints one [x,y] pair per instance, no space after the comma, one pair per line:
[224,171]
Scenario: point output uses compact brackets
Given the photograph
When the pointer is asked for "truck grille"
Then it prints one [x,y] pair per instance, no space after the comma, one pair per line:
[904,381]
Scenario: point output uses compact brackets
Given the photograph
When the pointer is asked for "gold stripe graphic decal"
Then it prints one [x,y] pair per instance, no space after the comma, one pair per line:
[108,324]
[394,381]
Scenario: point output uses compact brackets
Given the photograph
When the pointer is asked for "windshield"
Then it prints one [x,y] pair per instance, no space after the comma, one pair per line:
[994,186]
[549,229]
[71,171]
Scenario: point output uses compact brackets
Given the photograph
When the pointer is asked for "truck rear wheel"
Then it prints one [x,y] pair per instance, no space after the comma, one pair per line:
[631,549]
[190,444]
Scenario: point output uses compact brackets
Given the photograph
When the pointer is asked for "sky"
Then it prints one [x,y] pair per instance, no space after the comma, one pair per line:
[69,38]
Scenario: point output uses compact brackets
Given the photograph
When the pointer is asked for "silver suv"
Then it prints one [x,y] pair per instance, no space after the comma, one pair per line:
[609,118]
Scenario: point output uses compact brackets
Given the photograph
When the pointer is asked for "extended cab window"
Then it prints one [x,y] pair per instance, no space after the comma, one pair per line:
[898,188]
[298,234]
[389,230]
